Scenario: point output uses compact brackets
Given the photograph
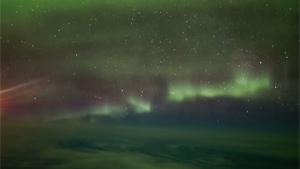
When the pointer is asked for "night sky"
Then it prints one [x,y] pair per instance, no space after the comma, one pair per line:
[166,60]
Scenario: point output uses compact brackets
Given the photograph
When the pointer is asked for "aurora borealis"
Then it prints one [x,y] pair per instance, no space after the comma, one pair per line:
[146,84]
[242,86]
[139,106]
[187,46]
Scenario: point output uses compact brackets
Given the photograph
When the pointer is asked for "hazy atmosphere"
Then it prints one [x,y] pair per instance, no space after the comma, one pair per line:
[149,84]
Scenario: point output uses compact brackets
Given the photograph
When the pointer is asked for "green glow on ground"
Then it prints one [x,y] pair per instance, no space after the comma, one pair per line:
[138,105]
[89,146]
[242,86]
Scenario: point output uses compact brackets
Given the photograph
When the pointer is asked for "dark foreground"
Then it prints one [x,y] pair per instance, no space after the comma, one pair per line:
[98,146]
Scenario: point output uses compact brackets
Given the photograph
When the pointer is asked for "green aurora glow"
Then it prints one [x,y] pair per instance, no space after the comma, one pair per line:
[242,86]
[107,110]
[138,105]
